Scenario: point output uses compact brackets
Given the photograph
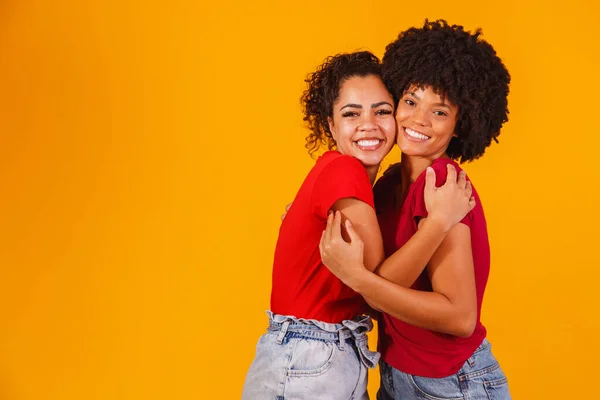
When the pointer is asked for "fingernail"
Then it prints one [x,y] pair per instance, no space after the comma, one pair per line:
[348,223]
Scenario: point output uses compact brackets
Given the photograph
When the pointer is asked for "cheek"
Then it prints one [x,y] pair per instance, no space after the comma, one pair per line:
[389,128]
[402,113]
[344,133]
[445,130]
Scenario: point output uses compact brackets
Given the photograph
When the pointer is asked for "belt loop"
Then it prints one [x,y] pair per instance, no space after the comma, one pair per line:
[342,340]
[284,328]
[471,361]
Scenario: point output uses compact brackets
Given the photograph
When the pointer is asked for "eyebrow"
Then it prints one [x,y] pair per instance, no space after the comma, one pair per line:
[413,94]
[374,105]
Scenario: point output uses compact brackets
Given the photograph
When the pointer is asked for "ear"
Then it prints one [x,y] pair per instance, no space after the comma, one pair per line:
[332,128]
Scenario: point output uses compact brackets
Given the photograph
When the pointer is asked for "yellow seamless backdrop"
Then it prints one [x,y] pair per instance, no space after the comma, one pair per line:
[148,148]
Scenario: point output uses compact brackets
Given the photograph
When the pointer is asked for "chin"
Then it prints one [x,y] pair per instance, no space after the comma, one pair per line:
[407,149]
[369,161]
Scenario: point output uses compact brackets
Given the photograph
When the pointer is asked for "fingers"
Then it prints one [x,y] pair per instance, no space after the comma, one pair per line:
[451,174]
[468,189]
[472,203]
[334,227]
[287,209]
[336,232]
[429,181]
[354,237]
[333,233]
[462,180]
[328,228]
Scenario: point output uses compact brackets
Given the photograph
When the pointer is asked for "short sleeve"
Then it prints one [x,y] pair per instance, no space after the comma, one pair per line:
[344,177]
[441,174]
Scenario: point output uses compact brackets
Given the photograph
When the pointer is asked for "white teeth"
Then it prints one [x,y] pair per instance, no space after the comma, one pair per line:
[368,143]
[415,134]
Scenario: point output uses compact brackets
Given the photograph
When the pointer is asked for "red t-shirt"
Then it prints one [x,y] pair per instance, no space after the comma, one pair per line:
[410,349]
[302,285]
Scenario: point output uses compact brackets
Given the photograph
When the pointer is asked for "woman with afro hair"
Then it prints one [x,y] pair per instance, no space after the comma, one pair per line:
[316,344]
[451,92]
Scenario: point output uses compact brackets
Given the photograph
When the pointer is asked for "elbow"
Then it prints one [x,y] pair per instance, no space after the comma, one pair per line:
[464,325]
[374,308]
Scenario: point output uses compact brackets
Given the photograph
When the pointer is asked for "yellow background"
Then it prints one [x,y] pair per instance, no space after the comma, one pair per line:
[147,149]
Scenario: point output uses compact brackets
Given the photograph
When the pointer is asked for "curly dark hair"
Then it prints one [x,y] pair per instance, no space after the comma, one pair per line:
[323,90]
[459,66]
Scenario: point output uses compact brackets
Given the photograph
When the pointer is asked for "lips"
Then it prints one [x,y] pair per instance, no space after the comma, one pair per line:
[368,144]
[414,135]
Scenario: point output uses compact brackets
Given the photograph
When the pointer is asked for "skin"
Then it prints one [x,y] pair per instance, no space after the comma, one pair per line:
[364,111]
[363,123]
[426,123]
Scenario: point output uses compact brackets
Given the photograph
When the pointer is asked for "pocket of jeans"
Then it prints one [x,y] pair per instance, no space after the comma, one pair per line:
[447,388]
[497,389]
[312,357]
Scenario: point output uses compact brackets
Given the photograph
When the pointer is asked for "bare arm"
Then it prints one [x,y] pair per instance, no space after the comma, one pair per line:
[451,307]
[407,263]
[447,204]
[365,224]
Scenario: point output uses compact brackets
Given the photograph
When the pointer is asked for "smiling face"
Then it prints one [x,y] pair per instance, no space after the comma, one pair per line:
[426,123]
[363,124]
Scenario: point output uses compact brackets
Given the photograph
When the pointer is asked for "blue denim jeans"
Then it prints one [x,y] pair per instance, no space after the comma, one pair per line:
[308,359]
[480,378]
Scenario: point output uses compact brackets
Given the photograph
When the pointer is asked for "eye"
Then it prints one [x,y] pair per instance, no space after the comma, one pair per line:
[383,112]
[409,102]
[440,113]
[350,114]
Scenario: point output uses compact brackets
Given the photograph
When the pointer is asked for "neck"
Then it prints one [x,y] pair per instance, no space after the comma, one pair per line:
[413,166]
[372,172]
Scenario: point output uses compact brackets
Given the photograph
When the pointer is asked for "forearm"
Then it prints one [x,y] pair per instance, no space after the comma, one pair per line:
[429,310]
[407,263]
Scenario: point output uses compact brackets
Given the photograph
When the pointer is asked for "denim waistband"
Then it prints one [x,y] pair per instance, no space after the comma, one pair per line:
[484,345]
[354,330]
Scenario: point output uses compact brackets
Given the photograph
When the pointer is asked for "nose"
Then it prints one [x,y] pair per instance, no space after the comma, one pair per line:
[420,117]
[368,122]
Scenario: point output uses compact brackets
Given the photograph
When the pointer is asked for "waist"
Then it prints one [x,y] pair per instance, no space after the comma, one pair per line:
[354,328]
[353,332]
[334,306]
[421,352]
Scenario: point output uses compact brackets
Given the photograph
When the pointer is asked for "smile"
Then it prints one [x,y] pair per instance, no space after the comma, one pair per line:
[412,134]
[368,144]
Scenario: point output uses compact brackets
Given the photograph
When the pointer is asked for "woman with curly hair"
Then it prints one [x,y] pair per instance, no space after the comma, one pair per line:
[316,343]
[451,92]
